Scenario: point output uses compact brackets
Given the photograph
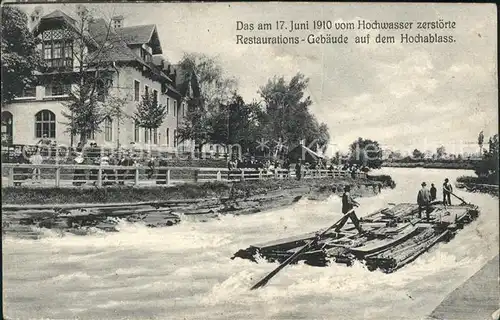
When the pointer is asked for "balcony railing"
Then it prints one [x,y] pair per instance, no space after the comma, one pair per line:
[59,64]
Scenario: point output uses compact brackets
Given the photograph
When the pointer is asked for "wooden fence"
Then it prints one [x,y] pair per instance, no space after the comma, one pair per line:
[62,174]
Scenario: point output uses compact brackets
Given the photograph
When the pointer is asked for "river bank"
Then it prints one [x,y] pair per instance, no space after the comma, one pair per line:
[476,298]
[117,194]
[488,185]
[76,210]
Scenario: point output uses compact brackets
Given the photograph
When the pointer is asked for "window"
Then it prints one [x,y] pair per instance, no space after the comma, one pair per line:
[137,85]
[175,108]
[68,50]
[146,90]
[108,129]
[155,95]
[155,136]
[47,53]
[146,135]
[29,91]
[175,137]
[101,90]
[145,55]
[168,104]
[91,135]
[167,136]
[59,89]
[7,127]
[45,124]
[58,49]
[136,131]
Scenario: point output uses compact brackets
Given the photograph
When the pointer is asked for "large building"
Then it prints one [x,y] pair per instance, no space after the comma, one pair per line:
[135,67]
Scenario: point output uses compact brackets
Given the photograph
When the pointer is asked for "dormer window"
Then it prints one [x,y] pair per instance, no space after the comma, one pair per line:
[146,55]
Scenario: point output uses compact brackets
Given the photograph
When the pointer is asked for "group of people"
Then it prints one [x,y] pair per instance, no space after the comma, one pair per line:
[425,197]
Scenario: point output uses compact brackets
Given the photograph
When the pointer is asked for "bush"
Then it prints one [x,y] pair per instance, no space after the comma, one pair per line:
[477,180]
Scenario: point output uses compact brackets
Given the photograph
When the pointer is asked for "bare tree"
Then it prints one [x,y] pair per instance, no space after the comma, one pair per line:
[93,43]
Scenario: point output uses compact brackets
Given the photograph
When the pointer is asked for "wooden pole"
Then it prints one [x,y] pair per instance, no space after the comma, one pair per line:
[294,256]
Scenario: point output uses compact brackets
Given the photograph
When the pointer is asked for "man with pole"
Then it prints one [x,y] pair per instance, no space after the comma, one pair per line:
[447,190]
[348,204]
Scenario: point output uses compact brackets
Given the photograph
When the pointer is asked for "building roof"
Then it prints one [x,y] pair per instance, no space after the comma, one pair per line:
[56,17]
[116,41]
[138,35]
[117,49]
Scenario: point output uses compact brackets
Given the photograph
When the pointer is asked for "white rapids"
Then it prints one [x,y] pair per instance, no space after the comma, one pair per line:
[185,271]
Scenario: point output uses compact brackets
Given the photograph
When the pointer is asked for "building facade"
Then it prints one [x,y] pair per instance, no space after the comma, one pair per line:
[134,67]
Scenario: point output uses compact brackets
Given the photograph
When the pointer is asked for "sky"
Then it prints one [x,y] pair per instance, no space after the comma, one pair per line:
[405,96]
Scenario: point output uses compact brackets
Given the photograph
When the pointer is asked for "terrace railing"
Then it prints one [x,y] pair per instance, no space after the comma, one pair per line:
[59,175]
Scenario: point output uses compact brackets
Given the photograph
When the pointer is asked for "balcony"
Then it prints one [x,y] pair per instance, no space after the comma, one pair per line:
[59,65]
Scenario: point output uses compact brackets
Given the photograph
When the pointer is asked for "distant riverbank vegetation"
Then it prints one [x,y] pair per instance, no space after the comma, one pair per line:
[486,179]
[485,164]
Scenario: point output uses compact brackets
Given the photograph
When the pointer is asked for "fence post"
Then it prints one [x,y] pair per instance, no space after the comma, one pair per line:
[196,173]
[168,177]
[136,176]
[260,174]
[11,176]
[219,176]
[99,177]
[276,174]
[58,176]
[242,174]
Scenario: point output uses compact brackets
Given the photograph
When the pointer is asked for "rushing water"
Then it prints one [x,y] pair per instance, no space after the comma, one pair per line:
[185,271]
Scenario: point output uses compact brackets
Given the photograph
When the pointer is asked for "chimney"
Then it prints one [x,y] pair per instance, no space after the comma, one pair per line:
[35,17]
[117,22]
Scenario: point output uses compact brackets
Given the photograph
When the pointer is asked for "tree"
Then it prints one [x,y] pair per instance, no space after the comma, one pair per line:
[149,113]
[440,152]
[417,154]
[94,41]
[197,125]
[366,152]
[211,89]
[480,140]
[237,123]
[19,55]
[488,166]
[114,106]
[287,117]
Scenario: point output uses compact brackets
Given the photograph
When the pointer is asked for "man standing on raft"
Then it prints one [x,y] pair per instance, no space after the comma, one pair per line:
[348,204]
[447,190]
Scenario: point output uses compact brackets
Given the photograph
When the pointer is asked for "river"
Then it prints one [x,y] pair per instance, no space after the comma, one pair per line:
[185,271]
